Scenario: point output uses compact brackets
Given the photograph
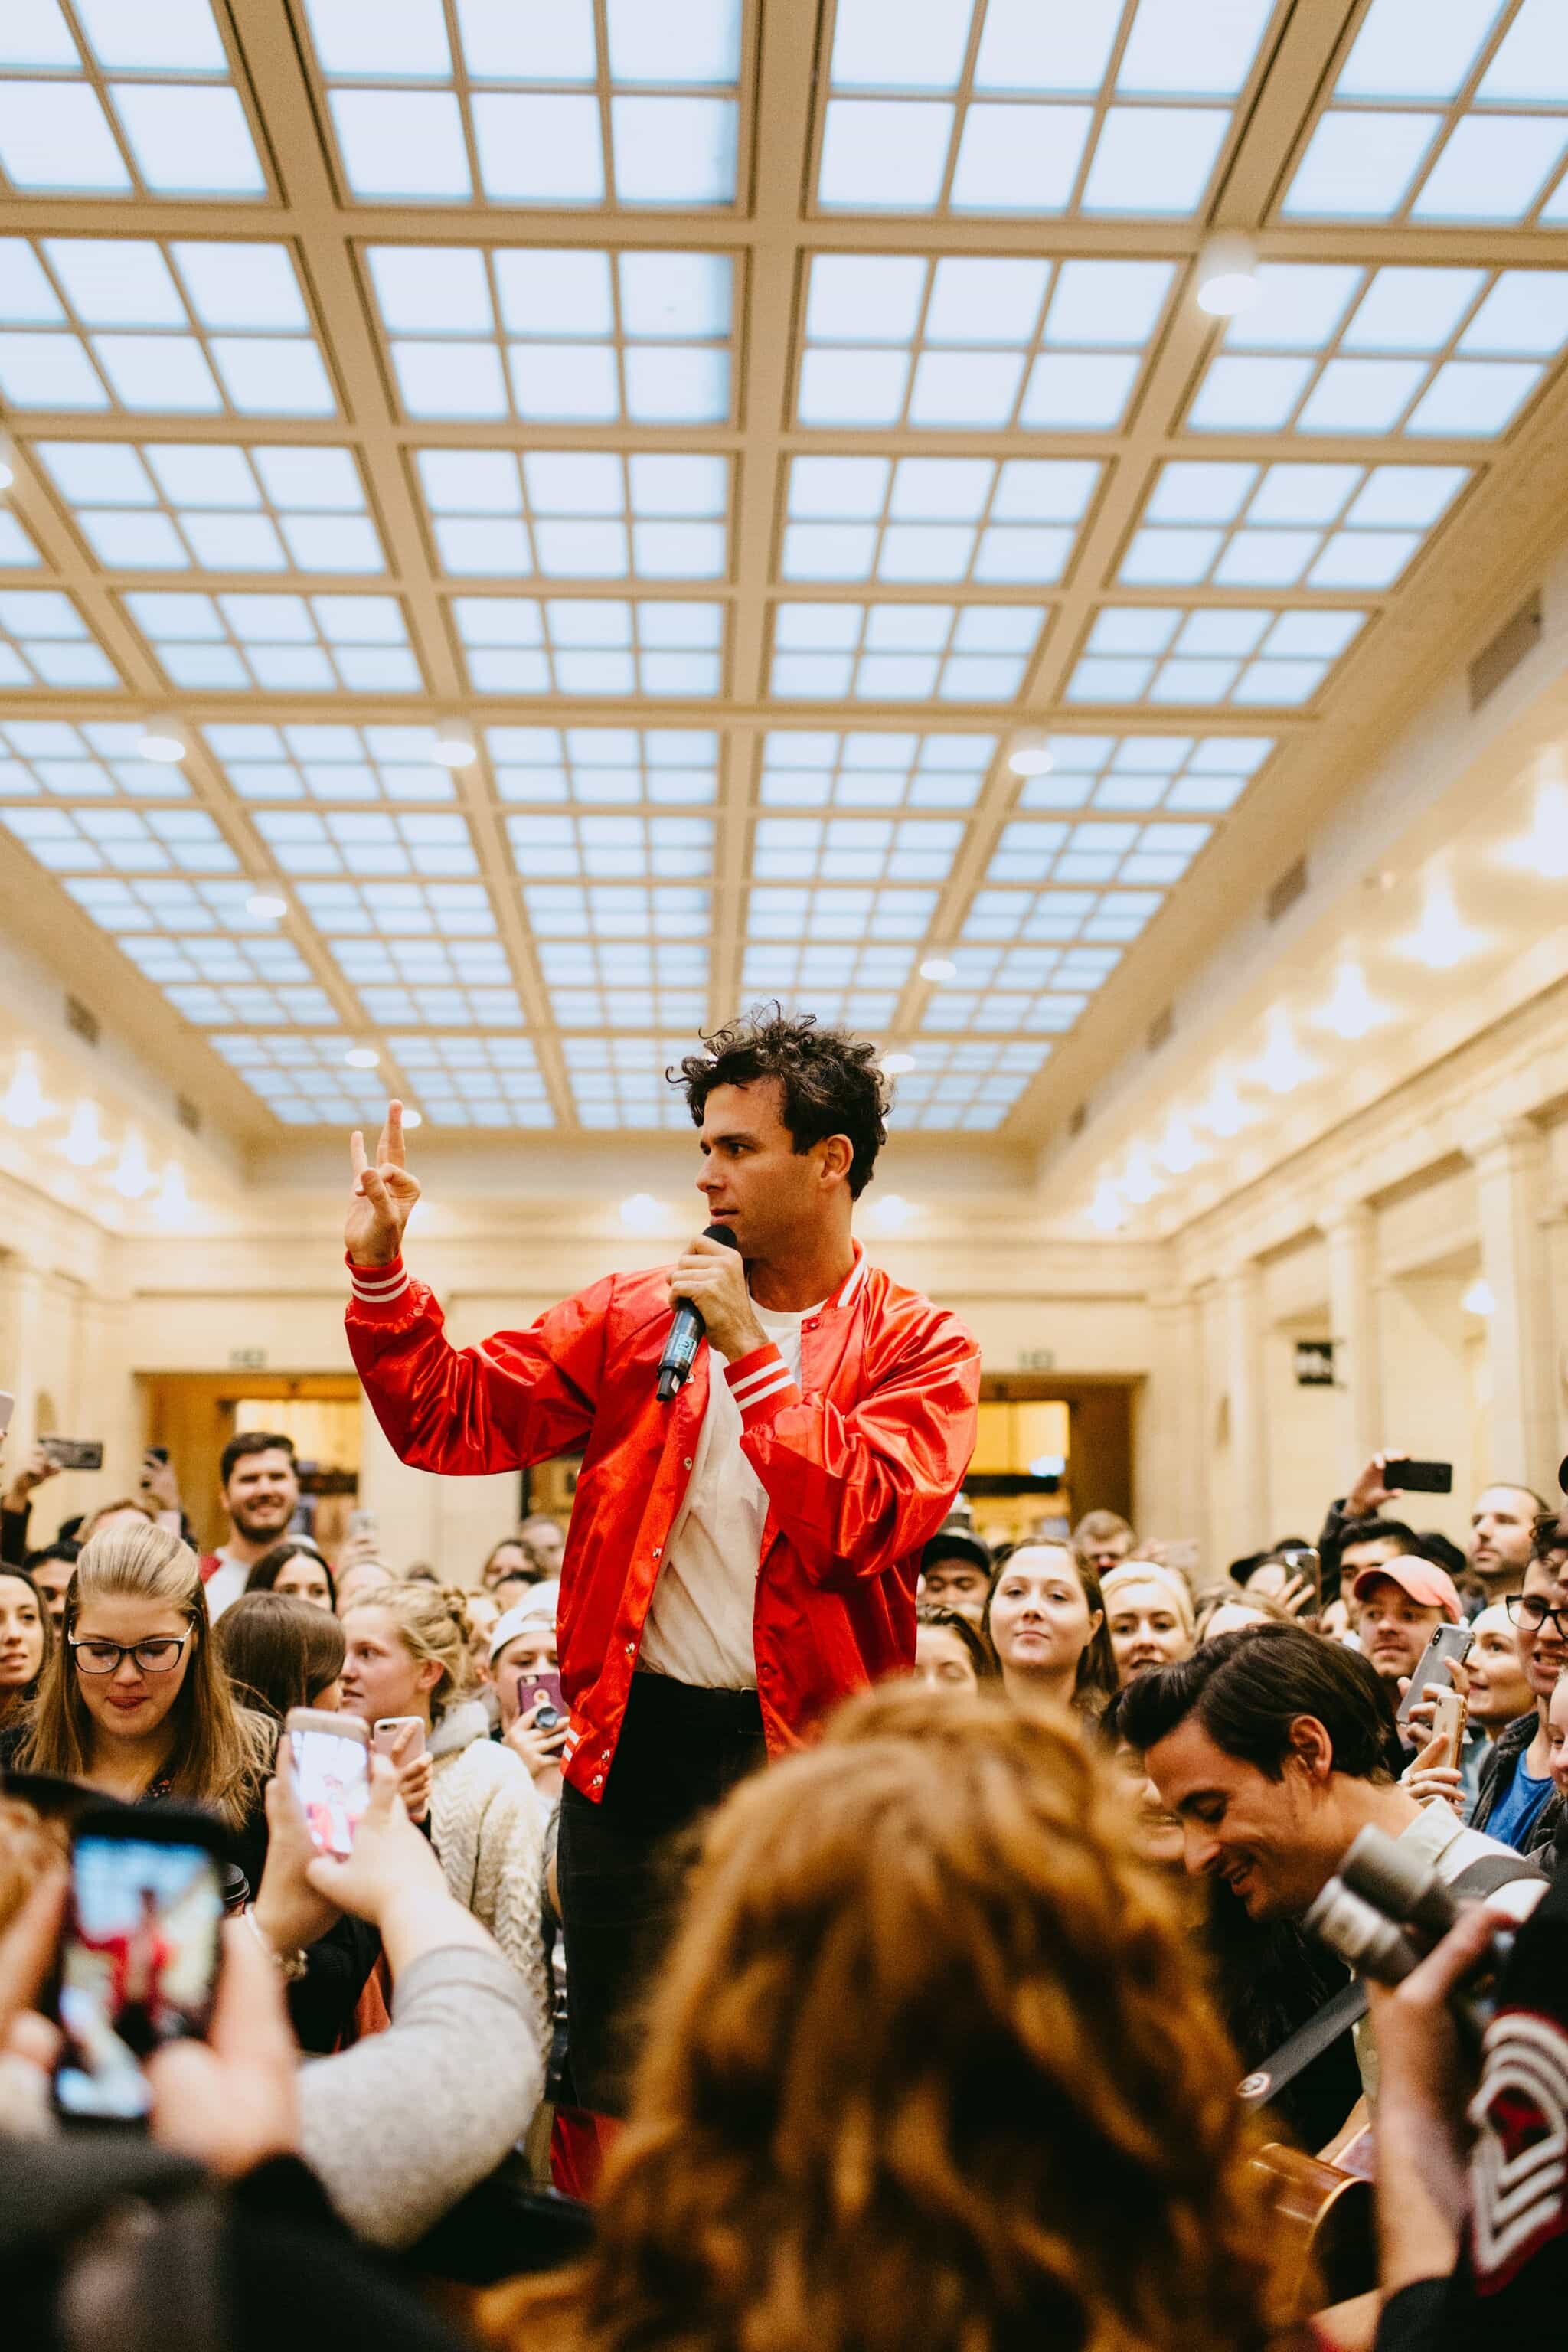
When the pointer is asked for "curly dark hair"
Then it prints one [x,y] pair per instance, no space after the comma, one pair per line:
[832,1083]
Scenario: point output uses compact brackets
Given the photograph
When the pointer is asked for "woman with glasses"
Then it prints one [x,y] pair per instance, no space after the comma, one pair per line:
[133,1702]
[1517,1801]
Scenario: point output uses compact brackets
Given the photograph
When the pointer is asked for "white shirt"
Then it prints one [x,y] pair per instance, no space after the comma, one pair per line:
[699,1625]
[225,1584]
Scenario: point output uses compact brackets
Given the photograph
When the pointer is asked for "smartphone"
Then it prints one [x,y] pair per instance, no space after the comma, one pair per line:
[139,1957]
[7,1407]
[1301,1559]
[364,1523]
[1447,1642]
[156,1452]
[1406,1478]
[332,1772]
[543,1691]
[1449,1710]
[401,1737]
[74,1453]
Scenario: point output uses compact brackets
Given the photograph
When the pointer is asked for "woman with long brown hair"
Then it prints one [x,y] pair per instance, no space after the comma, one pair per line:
[1045,1618]
[27,1638]
[134,1701]
[929,2070]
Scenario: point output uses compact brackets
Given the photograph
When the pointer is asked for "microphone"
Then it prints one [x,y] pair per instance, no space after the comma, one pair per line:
[686,1328]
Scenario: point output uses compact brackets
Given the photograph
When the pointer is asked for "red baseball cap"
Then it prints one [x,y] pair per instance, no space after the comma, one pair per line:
[1428,1585]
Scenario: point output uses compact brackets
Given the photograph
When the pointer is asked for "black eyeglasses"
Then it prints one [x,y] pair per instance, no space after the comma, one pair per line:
[1529,1608]
[160,1656]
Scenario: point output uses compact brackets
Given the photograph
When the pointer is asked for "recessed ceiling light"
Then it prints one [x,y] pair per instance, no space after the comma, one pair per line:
[412,1117]
[1480,1298]
[454,745]
[1029,754]
[1543,850]
[898,1066]
[1228,276]
[641,1214]
[162,740]
[361,1057]
[1107,1212]
[7,468]
[266,906]
[1442,939]
[83,1144]
[1352,1009]
[939,968]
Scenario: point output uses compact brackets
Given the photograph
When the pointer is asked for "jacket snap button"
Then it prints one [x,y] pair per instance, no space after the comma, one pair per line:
[598,1779]
[657,1550]
[687,1464]
[631,1649]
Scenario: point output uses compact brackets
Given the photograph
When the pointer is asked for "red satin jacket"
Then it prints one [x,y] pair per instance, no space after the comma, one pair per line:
[860,1469]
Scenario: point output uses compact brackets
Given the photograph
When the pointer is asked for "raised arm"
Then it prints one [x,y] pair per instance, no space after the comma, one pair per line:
[520,1397]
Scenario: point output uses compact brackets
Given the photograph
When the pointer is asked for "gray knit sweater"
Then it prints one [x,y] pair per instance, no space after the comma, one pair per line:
[401,2126]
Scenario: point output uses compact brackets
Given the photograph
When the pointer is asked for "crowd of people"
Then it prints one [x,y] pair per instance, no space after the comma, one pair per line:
[905,1940]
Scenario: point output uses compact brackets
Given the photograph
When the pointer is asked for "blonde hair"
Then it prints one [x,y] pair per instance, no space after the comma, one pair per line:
[432,1622]
[1152,1572]
[222,1752]
[930,2063]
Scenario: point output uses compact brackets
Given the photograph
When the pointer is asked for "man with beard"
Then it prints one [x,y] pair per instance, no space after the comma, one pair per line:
[260,1494]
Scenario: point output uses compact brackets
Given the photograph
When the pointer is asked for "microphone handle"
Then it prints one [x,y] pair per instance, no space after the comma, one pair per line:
[686,1330]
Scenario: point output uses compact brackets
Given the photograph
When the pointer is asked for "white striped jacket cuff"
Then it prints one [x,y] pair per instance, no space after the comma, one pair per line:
[378,1286]
[760,1383]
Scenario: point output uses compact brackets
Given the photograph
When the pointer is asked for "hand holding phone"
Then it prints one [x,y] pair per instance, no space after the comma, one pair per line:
[138,1959]
[1447,1642]
[401,1739]
[330,1756]
[1448,1716]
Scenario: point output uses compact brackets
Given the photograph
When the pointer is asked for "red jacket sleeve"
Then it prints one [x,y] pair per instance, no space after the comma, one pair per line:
[519,1397]
[857,1492]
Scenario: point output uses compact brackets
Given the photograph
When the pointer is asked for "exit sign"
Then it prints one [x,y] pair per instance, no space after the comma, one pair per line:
[248,1359]
[1036,1360]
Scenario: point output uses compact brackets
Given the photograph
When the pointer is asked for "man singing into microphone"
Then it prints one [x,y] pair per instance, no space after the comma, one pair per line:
[741,1556]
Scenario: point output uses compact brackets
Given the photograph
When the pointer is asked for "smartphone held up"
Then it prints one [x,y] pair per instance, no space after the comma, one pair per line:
[139,1957]
[331,1757]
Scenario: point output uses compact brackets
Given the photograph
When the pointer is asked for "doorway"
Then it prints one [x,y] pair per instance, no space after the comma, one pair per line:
[1047,1451]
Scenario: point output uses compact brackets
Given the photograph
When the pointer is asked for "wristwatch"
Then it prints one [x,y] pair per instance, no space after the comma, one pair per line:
[290,1966]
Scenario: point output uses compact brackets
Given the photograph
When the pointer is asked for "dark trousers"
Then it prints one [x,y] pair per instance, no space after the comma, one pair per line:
[620,1865]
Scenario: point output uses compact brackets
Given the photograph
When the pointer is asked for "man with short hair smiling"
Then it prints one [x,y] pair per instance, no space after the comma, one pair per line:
[261,1494]
[1271,1748]
[1399,1604]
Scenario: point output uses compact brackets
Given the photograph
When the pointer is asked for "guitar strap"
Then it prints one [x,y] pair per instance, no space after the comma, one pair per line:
[1349,2005]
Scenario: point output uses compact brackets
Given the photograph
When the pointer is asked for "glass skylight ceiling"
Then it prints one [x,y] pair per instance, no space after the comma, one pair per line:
[814,769]
[304,1081]
[620,1081]
[743,581]
[213,507]
[95,760]
[613,767]
[855,848]
[1012,106]
[1286,526]
[328,761]
[528,110]
[137,101]
[578,514]
[123,840]
[938,519]
[625,984]
[44,641]
[970,343]
[1164,655]
[456,983]
[1038,850]
[965,1084]
[186,326]
[1435,352]
[612,848]
[860,985]
[474,1081]
[519,644]
[368,841]
[1444,111]
[1184,774]
[557,335]
[903,653]
[281,644]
